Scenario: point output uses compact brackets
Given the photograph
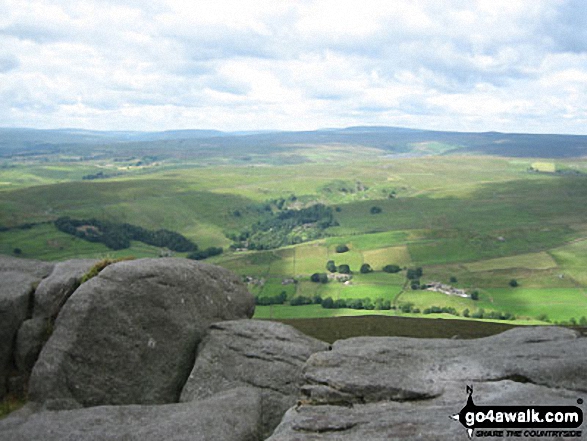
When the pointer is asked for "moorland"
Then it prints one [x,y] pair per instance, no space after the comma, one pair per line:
[339,222]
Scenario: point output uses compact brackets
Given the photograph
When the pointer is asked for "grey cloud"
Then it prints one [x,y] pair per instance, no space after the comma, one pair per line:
[568,27]
[36,33]
[219,43]
[8,63]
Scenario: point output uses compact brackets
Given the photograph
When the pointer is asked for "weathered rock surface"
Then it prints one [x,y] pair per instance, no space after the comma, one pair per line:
[266,355]
[401,388]
[129,335]
[35,268]
[31,337]
[55,289]
[18,280]
[417,420]
[230,416]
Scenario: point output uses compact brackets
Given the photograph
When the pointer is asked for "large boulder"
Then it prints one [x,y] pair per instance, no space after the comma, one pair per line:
[19,279]
[230,416]
[262,354]
[404,388]
[129,335]
[54,290]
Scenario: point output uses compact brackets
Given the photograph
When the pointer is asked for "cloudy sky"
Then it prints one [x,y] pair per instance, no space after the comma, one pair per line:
[504,65]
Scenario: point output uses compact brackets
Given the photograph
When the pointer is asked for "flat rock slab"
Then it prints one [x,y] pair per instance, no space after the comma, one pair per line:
[231,416]
[266,355]
[129,335]
[415,420]
[401,388]
[366,369]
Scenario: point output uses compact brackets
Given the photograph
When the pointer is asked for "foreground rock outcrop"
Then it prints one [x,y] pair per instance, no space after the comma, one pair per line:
[19,278]
[381,388]
[230,416]
[265,355]
[142,335]
[128,335]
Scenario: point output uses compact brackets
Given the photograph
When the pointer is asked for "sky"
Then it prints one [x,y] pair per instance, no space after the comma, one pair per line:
[495,65]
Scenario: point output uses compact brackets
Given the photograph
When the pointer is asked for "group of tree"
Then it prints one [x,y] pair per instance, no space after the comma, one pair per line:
[414,273]
[366,303]
[204,254]
[279,299]
[440,310]
[408,307]
[99,175]
[118,236]
[286,227]
[365,268]
[494,315]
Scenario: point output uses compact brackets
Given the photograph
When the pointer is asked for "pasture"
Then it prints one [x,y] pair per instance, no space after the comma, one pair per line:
[480,220]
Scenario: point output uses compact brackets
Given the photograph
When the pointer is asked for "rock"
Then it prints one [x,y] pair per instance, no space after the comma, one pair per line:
[230,416]
[129,335]
[414,420]
[403,388]
[19,278]
[31,337]
[367,369]
[54,290]
[35,268]
[51,294]
[266,355]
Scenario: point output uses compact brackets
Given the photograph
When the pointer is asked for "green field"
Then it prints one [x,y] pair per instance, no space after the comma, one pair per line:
[479,220]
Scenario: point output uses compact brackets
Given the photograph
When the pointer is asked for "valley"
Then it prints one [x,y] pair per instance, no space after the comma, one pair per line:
[471,217]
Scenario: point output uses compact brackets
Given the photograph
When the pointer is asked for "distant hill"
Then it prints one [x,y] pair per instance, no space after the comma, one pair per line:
[205,143]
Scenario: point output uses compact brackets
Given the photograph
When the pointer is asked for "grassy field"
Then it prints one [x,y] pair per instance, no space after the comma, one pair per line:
[480,220]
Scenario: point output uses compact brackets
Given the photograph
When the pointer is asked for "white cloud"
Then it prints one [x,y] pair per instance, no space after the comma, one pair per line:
[233,65]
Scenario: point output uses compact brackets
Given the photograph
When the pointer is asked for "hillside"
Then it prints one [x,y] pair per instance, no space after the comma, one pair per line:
[200,144]
[509,227]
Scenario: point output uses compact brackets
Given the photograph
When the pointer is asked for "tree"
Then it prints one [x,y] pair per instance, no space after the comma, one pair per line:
[328,303]
[466,312]
[204,254]
[330,266]
[453,279]
[17,251]
[513,283]
[414,273]
[392,269]
[375,210]
[342,249]
[344,269]
[319,278]
[475,295]
[366,268]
